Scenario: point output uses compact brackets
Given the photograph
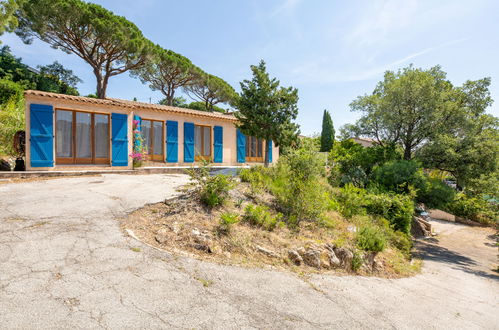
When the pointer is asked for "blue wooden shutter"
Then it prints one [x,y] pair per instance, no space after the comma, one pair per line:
[269,150]
[188,142]
[171,141]
[119,129]
[241,147]
[41,135]
[218,150]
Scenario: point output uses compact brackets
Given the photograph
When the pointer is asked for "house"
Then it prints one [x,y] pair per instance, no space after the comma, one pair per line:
[68,132]
[365,142]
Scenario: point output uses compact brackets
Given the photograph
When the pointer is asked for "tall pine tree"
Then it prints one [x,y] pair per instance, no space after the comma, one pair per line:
[327,134]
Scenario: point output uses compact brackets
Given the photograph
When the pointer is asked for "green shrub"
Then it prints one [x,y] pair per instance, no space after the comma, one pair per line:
[399,176]
[258,215]
[11,121]
[401,241]
[213,190]
[356,261]
[299,185]
[371,239]
[350,200]
[435,194]
[397,209]
[226,221]
[10,91]
[257,177]
[474,208]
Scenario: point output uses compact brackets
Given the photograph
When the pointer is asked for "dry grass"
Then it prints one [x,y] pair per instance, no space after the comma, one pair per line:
[176,219]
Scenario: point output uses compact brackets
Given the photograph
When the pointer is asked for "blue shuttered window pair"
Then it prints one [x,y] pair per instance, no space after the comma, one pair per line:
[241,148]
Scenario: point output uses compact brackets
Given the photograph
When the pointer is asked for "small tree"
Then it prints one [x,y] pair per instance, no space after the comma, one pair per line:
[166,72]
[327,134]
[211,90]
[267,110]
[110,44]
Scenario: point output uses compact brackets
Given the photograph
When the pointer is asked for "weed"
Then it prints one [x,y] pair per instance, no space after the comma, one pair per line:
[135,249]
[259,215]
[226,221]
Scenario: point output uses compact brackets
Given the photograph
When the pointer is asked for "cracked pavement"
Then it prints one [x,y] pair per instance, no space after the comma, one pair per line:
[64,263]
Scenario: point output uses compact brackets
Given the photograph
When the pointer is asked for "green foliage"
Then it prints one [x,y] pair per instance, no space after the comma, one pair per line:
[213,190]
[371,239]
[410,106]
[267,110]
[299,185]
[327,133]
[399,176]
[397,209]
[202,107]
[356,261]
[474,208]
[353,163]
[10,91]
[402,241]
[166,71]
[8,21]
[435,194]
[256,176]
[11,121]
[260,216]
[109,43]
[51,78]
[226,221]
[211,90]
[351,201]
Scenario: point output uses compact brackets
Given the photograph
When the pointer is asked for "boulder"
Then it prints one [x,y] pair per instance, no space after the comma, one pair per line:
[295,257]
[420,227]
[162,236]
[200,237]
[334,261]
[344,255]
[267,252]
[312,257]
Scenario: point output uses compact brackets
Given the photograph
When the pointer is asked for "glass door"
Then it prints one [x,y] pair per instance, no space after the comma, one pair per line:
[153,135]
[202,138]
[254,149]
[82,137]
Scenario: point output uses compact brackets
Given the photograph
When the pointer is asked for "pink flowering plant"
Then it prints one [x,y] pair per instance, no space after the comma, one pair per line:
[139,153]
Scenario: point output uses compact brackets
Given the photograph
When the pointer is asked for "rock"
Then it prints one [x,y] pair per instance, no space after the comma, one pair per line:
[162,236]
[312,257]
[378,265]
[334,261]
[368,261]
[267,252]
[200,237]
[345,256]
[352,229]
[202,247]
[4,165]
[174,227]
[295,257]
[420,227]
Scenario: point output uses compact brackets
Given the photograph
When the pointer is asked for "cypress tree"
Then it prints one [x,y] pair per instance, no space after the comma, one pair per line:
[327,134]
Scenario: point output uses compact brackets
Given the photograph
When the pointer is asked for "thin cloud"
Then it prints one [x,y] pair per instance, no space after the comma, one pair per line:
[315,71]
[287,6]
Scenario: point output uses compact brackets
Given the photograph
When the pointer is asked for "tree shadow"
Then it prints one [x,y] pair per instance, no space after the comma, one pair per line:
[494,238]
[427,251]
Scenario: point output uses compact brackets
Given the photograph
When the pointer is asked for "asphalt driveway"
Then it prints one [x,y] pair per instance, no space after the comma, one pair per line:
[64,263]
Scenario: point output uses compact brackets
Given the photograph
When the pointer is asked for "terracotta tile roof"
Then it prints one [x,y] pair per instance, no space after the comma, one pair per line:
[131,104]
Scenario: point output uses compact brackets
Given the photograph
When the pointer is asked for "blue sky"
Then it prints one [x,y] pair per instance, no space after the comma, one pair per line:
[332,51]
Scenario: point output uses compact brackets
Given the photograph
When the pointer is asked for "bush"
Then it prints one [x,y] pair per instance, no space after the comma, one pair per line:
[401,241]
[226,221]
[371,239]
[351,201]
[256,176]
[435,194]
[299,184]
[213,190]
[399,176]
[10,91]
[474,208]
[397,209]
[11,121]
[258,215]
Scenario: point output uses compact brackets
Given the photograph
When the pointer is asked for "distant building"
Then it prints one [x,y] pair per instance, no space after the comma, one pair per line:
[365,142]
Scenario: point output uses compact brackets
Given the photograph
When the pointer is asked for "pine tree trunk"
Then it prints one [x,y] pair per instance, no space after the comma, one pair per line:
[266,156]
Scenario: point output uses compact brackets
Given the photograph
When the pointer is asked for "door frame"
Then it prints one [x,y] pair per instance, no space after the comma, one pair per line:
[198,158]
[83,161]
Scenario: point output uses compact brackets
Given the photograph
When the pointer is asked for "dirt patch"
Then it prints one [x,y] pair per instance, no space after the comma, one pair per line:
[185,226]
